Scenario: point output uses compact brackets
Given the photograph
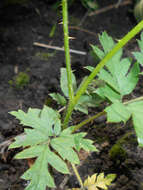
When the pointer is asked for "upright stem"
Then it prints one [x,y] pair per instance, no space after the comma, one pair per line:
[67,50]
[84,85]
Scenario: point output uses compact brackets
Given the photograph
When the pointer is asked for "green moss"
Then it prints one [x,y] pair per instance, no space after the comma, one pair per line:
[20,81]
[117,153]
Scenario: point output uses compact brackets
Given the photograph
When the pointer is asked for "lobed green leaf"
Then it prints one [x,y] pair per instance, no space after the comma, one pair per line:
[118,73]
[85,144]
[118,112]
[58,98]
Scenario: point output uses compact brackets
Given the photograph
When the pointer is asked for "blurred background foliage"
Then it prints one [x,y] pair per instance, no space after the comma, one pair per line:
[90,5]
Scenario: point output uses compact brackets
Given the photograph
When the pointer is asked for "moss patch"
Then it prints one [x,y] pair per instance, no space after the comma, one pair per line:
[117,153]
[20,81]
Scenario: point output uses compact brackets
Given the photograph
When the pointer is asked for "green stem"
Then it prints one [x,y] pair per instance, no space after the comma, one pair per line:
[84,86]
[66,47]
[78,126]
[134,100]
[78,176]
[88,120]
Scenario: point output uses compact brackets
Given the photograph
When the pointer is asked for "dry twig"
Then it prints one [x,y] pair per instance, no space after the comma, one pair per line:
[83,30]
[58,48]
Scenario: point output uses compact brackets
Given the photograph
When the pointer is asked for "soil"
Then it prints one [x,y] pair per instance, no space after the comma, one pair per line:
[22,25]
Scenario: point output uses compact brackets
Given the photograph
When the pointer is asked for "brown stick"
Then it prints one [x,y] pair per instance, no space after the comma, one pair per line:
[83,30]
[114,6]
[58,48]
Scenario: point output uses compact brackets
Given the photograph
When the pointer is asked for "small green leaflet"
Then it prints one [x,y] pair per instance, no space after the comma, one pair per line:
[98,52]
[64,82]
[103,90]
[120,78]
[108,43]
[29,118]
[30,138]
[58,98]
[86,144]
[119,112]
[119,75]
[139,55]
[85,101]
[107,92]
[78,139]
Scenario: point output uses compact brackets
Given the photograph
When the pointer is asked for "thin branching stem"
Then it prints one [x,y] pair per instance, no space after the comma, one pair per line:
[78,126]
[134,100]
[89,79]
[78,176]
